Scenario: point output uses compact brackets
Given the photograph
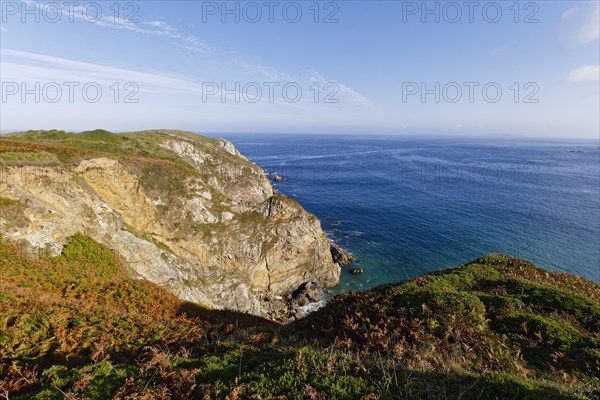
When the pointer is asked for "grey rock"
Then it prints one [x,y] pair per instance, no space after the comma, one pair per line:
[340,256]
[224,239]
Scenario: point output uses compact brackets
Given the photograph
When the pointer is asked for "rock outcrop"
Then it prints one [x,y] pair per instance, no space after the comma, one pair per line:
[184,211]
[340,256]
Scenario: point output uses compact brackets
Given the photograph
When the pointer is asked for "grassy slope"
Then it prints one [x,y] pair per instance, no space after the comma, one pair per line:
[162,172]
[76,325]
[142,148]
[158,167]
[141,144]
[496,328]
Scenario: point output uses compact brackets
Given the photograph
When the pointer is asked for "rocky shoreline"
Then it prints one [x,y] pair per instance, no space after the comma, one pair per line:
[184,211]
[289,308]
[293,305]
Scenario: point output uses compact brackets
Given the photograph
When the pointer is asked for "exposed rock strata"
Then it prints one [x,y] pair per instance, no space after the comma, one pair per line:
[200,220]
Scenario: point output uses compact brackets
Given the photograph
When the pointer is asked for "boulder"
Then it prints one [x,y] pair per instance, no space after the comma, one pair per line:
[340,256]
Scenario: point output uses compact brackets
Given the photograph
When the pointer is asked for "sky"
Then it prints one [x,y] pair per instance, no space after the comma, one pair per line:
[464,68]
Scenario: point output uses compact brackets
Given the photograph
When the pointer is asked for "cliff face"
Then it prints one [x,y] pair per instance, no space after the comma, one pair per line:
[183,211]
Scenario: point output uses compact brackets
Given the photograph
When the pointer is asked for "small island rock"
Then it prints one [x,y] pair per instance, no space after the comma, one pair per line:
[340,256]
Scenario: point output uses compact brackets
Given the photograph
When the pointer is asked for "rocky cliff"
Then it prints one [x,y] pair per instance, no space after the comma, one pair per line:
[184,211]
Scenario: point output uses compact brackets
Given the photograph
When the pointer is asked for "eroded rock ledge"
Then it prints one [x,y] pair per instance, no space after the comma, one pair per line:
[187,212]
[340,256]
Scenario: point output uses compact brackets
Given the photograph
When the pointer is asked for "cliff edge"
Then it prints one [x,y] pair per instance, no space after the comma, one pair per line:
[186,212]
[77,326]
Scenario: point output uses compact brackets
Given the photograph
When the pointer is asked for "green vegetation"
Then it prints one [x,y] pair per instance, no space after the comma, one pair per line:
[12,211]
[142,149]
[27,157]
[75,326]
[207,230]
[134,146]
[162,173]
[5,202]
[253,218]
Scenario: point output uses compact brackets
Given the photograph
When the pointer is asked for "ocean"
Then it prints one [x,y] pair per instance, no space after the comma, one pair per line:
[408,206]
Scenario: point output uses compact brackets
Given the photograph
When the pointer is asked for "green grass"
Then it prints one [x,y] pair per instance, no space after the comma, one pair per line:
[160,171]
[76,325]
[28,158]
[253,218]
[137,144]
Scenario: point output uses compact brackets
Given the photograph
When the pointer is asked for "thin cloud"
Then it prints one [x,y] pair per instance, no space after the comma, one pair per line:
[582,23]
[250,67]
[21,66]
[345,92]
[154,28]
[33,67]
[161,24]
[585,73]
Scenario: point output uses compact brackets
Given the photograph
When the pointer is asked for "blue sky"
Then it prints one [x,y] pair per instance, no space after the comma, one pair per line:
[355,67]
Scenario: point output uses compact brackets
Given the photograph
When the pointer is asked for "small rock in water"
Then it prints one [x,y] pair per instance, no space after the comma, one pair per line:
[341,256]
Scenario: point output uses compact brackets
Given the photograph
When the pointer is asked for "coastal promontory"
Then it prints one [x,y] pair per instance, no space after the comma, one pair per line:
[184,211]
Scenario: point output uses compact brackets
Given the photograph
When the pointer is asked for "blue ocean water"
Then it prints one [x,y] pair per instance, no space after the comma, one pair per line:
[407,206]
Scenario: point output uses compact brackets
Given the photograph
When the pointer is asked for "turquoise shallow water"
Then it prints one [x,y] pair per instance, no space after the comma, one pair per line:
[407,206]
